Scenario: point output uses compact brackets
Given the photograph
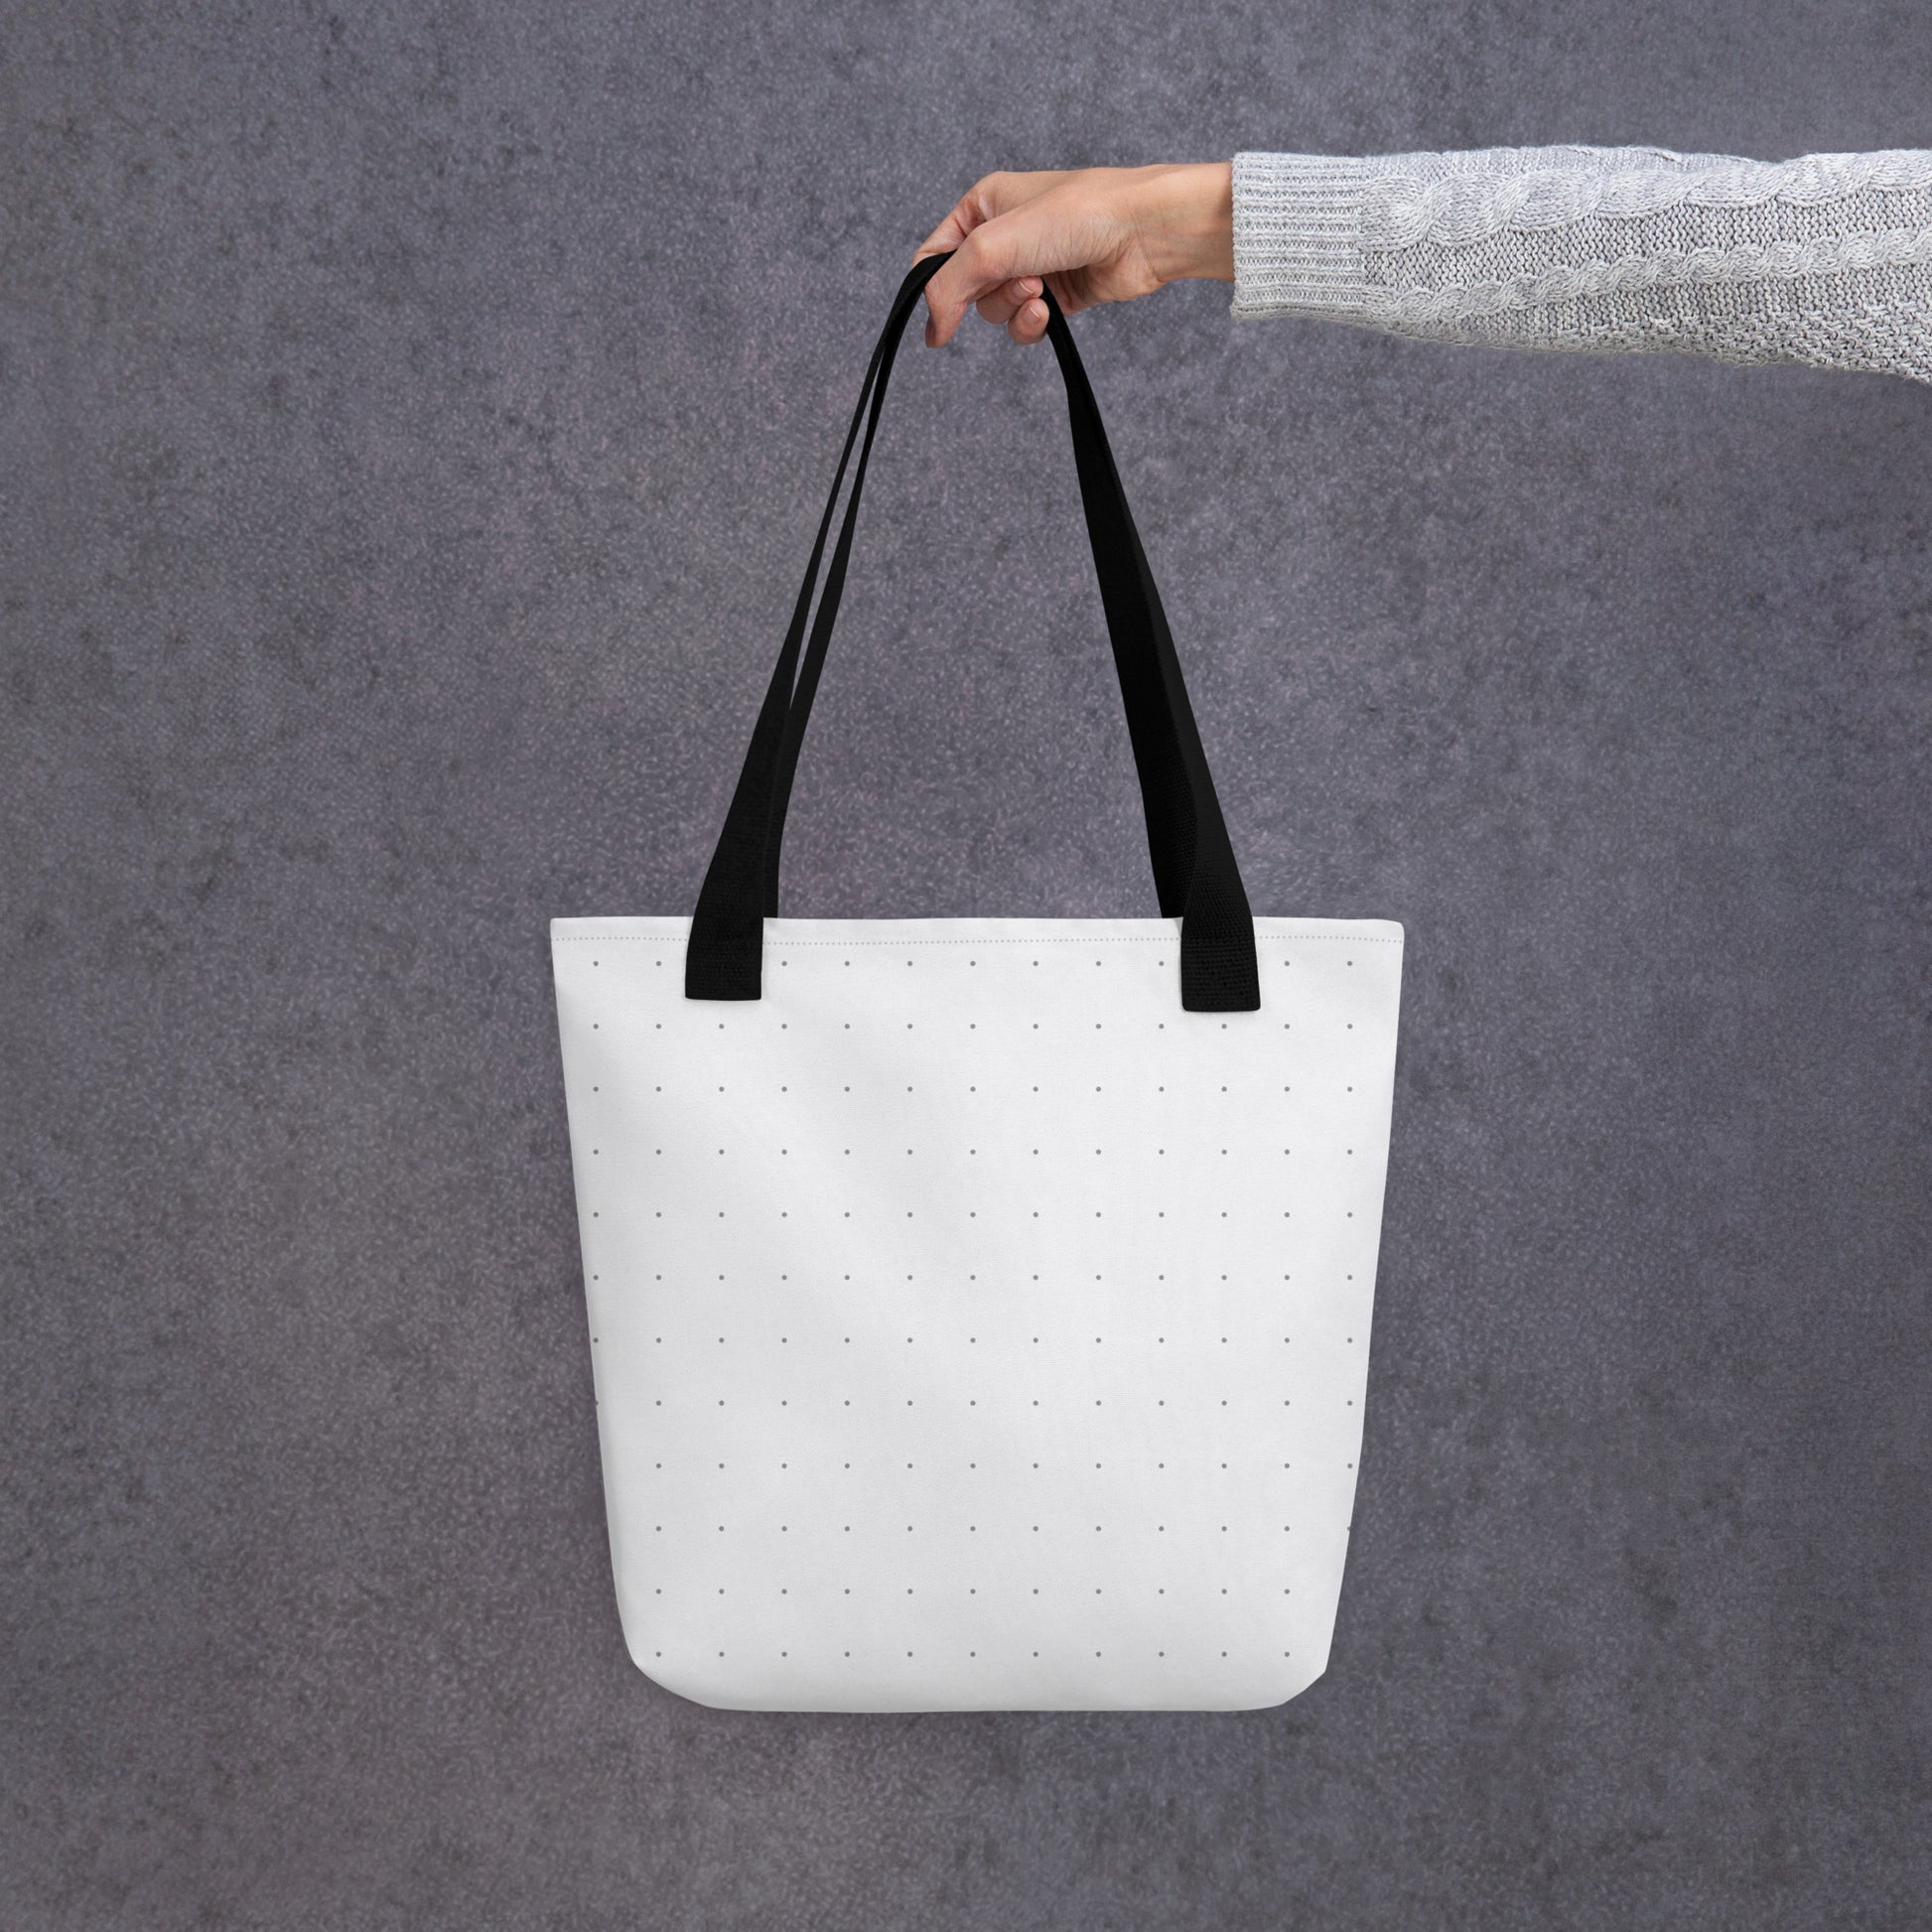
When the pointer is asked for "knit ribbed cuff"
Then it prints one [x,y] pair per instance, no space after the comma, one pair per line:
[1296,236]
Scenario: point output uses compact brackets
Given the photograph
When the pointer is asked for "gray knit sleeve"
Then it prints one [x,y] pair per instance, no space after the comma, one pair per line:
[1825,260]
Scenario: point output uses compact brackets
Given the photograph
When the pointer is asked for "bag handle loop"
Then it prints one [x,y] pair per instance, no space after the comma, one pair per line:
[1194,872]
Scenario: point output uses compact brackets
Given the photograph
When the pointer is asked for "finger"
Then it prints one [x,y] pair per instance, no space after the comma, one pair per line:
[1028,322]
[1029,241]
[1009,298]
[968,214]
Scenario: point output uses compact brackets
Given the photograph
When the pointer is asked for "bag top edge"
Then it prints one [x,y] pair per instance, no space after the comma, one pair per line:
[985,932]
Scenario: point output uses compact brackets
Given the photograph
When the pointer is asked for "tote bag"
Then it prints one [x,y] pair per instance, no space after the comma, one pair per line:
[979,1307]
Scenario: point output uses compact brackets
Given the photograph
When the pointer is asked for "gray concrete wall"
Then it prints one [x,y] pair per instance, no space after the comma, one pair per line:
[412,419]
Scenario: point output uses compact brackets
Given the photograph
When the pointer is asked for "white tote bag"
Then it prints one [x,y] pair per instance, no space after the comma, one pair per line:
[980,1308]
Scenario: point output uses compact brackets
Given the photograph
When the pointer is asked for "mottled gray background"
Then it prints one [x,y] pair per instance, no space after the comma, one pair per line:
[414,417]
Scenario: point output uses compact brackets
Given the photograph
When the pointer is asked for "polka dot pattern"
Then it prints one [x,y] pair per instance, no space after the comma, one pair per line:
[972,1326]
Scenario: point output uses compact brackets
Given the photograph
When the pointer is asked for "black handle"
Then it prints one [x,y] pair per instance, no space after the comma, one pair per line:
[1194,873]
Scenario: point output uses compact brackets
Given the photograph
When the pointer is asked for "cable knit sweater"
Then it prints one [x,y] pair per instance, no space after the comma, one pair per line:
[1825,260]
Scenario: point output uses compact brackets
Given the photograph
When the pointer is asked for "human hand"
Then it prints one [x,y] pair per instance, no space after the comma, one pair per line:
[1092,234]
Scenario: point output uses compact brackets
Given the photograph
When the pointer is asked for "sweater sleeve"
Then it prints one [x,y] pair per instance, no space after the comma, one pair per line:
[1825,260]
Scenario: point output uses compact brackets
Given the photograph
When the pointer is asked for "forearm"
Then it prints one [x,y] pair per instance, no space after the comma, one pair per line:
[1825,260]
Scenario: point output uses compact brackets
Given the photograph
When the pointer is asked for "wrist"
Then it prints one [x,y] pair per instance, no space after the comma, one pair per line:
[1187,222]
